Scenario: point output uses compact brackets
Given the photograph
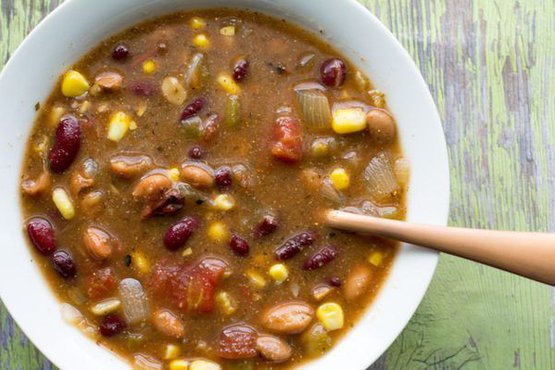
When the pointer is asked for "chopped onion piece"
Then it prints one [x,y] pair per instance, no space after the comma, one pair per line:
[310,85]
[306,61]
[193,75]
[243,175]
[284,110]
[295,289]
[315,109]
[144,362]
[329,192]
[71,315]
[352,158]
[380,177]
[90,168]
[134,301]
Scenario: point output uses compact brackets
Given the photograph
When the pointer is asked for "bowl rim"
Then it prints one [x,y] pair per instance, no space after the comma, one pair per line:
[441,217]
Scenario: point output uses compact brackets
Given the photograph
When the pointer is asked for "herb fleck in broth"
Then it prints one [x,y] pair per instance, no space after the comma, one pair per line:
[174,185]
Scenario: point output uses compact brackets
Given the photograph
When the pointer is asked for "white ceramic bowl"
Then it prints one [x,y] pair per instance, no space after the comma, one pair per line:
[78,25]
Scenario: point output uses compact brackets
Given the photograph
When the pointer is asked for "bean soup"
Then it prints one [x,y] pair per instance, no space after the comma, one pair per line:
[174,185]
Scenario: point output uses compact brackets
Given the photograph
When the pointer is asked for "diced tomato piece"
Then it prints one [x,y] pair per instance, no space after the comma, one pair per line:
[237,342]
[288,145]
[189,287]
[100,283]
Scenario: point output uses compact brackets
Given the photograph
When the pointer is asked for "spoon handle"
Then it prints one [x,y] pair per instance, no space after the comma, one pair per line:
[527,254]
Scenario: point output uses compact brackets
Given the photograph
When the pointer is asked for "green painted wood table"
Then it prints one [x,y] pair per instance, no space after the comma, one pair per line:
[490,65]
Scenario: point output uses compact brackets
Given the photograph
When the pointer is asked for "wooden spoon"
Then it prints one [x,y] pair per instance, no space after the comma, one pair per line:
[527,254]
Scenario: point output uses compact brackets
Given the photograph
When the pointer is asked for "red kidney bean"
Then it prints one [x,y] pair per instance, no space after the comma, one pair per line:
[294,245]
[238,245]
[237,342]
[64,264]
[266,226]
[333,72]
[120,52]
[195,152]
[222,177]
[240,70]
[335,281]
[193,108]
[320,258]
[112,325]
[142,88]
[42,235]
[67,142]
[178,233]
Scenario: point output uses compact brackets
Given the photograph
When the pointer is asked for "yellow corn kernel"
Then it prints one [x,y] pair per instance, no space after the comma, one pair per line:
[149,67]
[340,179]
[197,23]
[227,83]
[376,259]
[204,365]
[256,278]
[118,126]
[201,41]
[140,262]
[227,31]
[173,174]
[179,364]
[330,315]
[74,84]
[279,272]
[348,120]
[187,252]
[226,303]
[218,232]
[171,352]
[63,202]
[132,125]
[223,202]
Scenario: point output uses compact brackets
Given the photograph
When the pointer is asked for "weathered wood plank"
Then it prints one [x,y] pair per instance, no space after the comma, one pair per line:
[490,67]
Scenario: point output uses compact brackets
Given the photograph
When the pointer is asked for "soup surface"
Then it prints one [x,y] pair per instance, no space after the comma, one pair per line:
[174,185]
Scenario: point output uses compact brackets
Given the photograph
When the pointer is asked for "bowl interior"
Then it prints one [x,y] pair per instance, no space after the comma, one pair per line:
[78,25]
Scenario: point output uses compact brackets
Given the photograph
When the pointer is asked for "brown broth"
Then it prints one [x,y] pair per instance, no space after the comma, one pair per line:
[266,43]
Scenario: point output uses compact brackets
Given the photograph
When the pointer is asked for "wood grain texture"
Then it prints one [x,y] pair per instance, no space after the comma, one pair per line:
[489,64]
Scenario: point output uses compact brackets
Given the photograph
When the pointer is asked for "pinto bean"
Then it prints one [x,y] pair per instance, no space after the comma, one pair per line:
[288,318]
[357,282]
[98,243]
[197,175]
[273,349]
[129,166]
[380,125]
[151,187]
